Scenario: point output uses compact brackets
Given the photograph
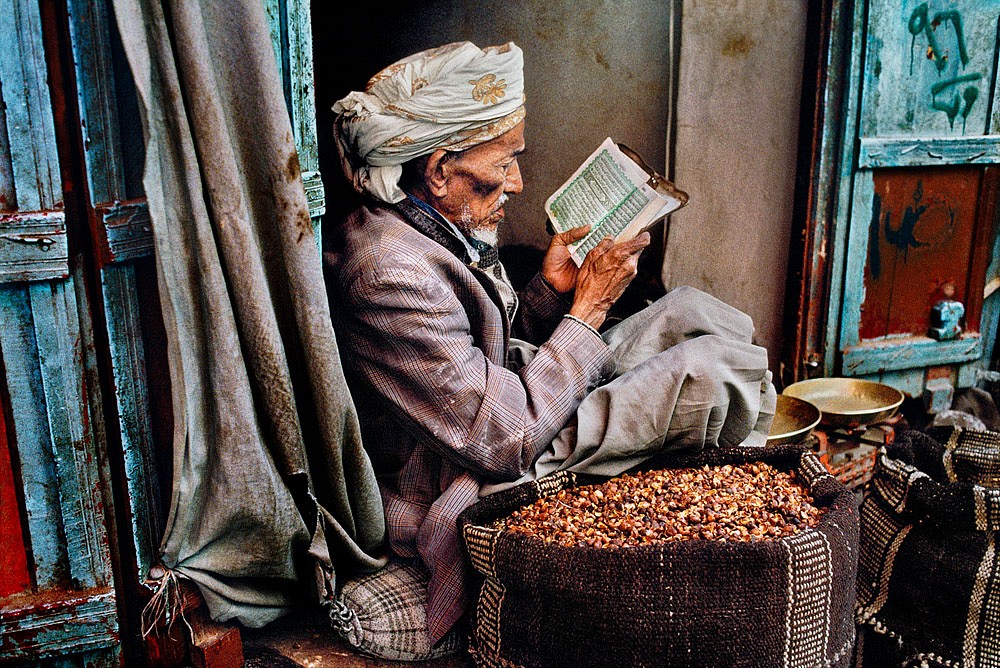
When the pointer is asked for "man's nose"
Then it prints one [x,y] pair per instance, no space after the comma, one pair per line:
[513,183]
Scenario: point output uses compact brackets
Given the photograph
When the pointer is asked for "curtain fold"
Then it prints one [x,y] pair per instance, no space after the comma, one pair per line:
[272,491]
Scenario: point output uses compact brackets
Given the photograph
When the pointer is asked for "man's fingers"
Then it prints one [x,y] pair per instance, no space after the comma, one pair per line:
[627,250]
[595,254]
[605,245]
[575,234]
[638,243]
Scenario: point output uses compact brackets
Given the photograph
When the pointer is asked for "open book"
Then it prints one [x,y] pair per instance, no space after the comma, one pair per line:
[614,192]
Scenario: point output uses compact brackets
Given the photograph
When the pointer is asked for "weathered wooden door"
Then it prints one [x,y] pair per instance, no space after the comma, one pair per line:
[896,268]
[81,477]
[57,577]
[291,37]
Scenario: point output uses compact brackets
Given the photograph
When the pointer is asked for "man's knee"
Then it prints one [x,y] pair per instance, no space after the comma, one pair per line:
[699,313]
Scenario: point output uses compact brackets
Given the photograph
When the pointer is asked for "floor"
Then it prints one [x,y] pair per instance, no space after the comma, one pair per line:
[307,642]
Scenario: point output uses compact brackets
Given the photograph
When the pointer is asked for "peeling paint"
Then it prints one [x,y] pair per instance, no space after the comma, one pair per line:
[57,623]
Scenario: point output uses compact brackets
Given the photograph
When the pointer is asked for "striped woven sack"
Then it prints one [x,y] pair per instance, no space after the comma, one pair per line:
[383,615]
[783,602]
[928,573]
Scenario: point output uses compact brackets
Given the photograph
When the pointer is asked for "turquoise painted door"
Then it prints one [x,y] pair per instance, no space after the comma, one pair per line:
[62,605]
[291,36]
[78,474]
[904,188]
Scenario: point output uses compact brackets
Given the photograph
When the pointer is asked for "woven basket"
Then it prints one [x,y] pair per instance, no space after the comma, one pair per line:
[929,570]
[784,602]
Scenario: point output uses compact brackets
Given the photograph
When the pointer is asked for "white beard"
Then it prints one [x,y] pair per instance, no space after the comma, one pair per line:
[488,235]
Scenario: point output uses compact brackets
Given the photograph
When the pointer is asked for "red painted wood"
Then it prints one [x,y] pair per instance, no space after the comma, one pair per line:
[220,646]
[14,576]
[921,246]
[982,244]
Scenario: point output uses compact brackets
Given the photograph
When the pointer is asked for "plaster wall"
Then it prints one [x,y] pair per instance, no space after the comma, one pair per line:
[739,84]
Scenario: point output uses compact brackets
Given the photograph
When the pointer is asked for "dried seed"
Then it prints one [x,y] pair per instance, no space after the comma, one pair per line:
[746,503]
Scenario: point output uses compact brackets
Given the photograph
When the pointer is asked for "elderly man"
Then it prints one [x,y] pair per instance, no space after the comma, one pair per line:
[450,405]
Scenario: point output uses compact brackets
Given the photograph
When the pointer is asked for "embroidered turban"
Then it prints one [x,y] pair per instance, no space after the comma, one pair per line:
[452,97]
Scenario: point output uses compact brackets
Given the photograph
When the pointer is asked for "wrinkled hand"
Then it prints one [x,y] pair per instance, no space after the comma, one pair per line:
[558,267]
[605,273]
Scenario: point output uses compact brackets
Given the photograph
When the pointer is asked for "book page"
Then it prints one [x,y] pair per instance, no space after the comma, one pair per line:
[608,192]
[600,194]
[614,195]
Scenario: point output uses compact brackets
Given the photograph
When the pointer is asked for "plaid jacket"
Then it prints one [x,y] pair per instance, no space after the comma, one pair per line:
[424,340]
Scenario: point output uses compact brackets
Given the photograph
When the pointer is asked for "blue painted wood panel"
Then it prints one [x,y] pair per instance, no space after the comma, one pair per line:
[300,81]
[49,373]
[40,347]
[291,37]
[927,89]
[849,311]
[60,353]
[8,194]
[96,98]
[30,428]
[128,356]
[836,227]
[30,129]
[930,68]
[122,232]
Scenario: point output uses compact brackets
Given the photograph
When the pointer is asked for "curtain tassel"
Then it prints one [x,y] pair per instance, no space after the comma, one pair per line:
[166,606]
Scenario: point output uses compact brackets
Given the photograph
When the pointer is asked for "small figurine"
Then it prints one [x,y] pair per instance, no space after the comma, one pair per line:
[945,318]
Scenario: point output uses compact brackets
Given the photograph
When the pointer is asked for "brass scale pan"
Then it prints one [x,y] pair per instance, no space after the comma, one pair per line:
[837,402]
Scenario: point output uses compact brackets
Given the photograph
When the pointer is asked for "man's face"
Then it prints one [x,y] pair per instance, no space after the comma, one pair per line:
[480,180]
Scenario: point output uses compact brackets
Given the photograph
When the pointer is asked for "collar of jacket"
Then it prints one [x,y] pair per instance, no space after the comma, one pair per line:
[429,226]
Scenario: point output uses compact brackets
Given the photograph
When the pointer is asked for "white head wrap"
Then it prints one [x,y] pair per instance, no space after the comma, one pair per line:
[452,97]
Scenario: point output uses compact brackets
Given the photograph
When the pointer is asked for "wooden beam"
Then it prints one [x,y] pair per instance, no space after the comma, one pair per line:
[933,152]
[908,352]
[67,623]
[33,246]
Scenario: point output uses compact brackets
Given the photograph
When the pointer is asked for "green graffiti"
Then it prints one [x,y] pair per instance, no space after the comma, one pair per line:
[920,23]
[969,94]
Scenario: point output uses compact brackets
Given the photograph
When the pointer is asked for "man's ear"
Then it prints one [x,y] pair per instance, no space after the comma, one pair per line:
[436,173]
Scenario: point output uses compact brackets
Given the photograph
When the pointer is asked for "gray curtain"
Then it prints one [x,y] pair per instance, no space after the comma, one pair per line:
[272,491]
